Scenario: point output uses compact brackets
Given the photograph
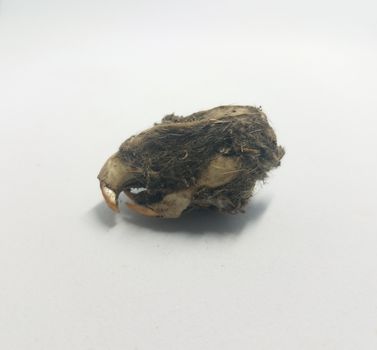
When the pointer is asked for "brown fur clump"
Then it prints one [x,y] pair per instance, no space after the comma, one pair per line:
[210,159]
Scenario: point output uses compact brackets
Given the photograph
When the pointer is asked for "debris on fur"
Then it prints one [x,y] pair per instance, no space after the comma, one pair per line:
[209,159]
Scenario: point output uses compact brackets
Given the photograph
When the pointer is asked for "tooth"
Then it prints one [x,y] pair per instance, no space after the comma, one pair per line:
[113,176]
[110,196]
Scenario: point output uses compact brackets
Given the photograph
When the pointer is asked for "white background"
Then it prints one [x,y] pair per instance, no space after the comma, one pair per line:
[297,271]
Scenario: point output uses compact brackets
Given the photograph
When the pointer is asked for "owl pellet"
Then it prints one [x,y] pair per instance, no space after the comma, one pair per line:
[210,159]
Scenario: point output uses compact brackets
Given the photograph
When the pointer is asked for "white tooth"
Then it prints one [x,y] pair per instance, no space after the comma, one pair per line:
[110,196]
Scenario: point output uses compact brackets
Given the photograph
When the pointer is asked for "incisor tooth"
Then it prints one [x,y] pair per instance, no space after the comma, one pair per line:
[113,175]
[110,196]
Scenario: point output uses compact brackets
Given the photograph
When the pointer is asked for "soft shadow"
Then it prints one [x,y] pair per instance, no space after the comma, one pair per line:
[104,215]
[203,221]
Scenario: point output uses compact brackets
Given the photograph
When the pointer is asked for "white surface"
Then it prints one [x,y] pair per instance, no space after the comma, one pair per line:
[297,271]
